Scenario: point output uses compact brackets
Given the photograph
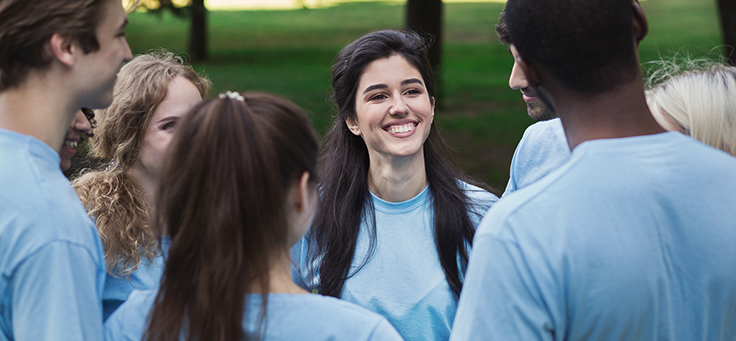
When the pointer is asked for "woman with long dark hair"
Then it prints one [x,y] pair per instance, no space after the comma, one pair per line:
[397,216]
[237,191]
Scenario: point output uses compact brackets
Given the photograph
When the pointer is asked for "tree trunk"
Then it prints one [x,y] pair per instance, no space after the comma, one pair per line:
[727,9]
[198,32]
[425,18]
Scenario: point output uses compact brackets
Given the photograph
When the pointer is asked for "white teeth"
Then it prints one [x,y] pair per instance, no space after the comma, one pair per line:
[404,128]
[70,144]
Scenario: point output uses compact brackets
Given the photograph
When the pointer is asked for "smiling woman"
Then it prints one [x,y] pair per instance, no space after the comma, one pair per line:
[152,92]
[397,217]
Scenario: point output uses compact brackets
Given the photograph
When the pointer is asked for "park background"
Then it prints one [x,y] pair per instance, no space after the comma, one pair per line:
[288,50]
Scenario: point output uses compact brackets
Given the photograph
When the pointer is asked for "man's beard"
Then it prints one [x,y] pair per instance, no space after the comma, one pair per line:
[538,111]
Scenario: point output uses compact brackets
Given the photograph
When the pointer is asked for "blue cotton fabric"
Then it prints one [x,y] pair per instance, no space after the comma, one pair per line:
[51,259]
[147,276]
[403,279]
[632,239]
[289,317]
[542,149]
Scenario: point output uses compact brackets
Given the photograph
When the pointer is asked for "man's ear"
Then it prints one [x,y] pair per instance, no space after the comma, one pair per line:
[640,24]
[353,126]
[63,49]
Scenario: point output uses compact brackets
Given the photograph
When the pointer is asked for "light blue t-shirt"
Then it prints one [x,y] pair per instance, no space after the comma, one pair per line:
[146,276]
[542,149]
[289,317]
[403,280]
[51,257]
[632,239]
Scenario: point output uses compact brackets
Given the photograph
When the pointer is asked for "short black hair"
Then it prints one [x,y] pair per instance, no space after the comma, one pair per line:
[586,45]
[501,31]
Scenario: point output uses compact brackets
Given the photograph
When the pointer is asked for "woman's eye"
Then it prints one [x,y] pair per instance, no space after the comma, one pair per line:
[377,97]
[412,92]
[168,125]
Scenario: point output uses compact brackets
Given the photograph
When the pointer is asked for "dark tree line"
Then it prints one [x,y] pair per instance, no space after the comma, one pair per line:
[422,16]
[425,18]
[198,31]
[727,10]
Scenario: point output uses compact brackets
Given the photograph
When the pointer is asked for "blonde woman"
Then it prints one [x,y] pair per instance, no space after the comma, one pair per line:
[696,98]
[152,92]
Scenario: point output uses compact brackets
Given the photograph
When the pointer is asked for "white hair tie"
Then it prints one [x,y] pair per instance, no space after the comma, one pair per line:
[233,95]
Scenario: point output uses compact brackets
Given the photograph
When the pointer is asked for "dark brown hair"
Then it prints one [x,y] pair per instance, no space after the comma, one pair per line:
[501,31]
[26,27]
[586,45]
[346,200]
[222,197]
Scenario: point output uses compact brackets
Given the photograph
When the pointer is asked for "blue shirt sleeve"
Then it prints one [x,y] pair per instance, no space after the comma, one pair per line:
[511,185]
[499,300]
[55,295]
[130,321]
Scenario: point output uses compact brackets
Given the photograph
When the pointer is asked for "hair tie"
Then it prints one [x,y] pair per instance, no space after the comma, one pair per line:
[233,95]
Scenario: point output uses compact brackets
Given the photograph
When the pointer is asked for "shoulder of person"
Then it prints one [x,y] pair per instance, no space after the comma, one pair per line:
[345,311]
[477,195]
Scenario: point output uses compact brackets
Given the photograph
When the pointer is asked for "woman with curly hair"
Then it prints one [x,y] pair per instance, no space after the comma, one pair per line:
[151,93]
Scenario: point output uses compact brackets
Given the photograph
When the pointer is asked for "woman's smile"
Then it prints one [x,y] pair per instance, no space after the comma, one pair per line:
[401,128]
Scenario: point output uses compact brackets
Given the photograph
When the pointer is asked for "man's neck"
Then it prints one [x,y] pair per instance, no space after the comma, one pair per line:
[40,107]
[622,112]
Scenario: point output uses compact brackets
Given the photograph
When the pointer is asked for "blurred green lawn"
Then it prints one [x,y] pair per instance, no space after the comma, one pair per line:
[289,52]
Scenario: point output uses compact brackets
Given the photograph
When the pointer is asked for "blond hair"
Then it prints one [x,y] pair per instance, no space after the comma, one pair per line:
[111,196]
[698,97]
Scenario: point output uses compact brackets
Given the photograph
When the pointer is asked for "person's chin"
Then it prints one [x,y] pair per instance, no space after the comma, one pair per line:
[103,100]
[538,111]
[65,165]
[102,96]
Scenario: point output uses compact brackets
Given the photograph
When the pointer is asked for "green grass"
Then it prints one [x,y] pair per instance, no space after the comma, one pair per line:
[289,52]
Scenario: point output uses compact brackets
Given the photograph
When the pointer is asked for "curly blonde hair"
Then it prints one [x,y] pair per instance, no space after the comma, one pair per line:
[110,195]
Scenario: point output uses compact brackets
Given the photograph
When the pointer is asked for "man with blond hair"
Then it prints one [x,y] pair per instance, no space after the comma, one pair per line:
[56,56]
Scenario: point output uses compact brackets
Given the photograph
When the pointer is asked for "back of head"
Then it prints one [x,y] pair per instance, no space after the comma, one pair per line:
[222,198]
[141,86]
[586,45]
[698,101]
[26,27]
